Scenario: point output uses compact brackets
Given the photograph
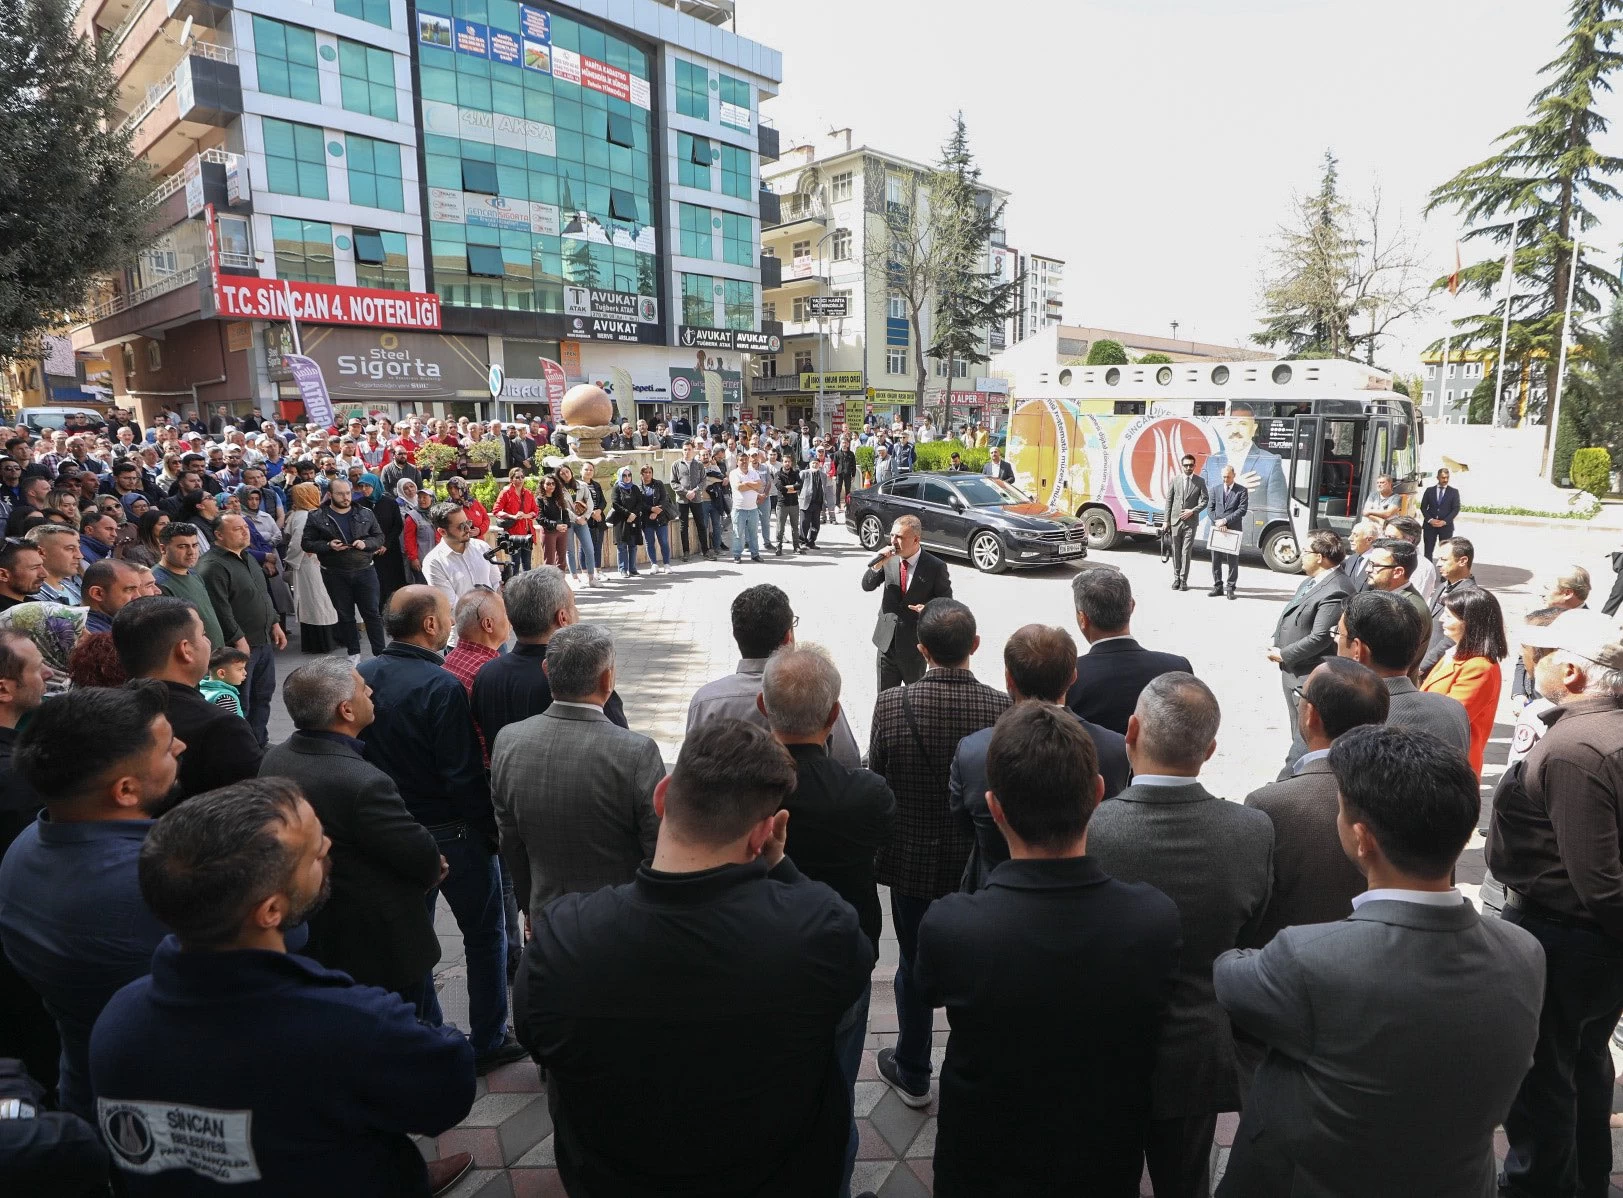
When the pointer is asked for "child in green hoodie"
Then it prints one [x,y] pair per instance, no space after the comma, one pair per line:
[228,670]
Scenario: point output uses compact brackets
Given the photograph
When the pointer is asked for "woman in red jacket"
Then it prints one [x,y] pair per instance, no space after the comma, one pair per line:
[515,514]
[1470,671]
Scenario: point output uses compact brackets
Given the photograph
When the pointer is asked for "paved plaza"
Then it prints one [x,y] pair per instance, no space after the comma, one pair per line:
[673,635]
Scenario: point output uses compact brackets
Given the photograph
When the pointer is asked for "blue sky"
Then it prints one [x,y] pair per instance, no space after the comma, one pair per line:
[1155,144]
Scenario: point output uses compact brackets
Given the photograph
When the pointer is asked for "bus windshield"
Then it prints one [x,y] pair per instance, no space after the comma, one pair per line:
[982,491]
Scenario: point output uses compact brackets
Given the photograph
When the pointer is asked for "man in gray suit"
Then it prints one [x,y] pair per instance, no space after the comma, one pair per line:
[1383,631]
[1396,1037]
[1186,500]
[1313,880]
[1214,860]
[1306,632]
[574,792]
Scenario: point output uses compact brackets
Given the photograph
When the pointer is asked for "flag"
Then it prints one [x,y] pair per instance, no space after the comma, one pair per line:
[1454,279]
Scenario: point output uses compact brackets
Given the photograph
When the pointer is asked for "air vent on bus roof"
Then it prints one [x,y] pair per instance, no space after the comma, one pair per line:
[1220,375]
[1282,374]
[1113,375]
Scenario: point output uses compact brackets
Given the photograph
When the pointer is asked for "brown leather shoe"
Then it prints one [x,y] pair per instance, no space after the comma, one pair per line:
[447,1171]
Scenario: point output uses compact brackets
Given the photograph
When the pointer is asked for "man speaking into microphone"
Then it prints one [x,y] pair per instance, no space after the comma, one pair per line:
[911,578]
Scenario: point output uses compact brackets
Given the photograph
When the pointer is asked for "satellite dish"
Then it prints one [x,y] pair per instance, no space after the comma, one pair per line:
[186,31]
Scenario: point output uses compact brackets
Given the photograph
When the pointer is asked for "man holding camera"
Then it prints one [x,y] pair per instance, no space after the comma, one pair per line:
[346,538]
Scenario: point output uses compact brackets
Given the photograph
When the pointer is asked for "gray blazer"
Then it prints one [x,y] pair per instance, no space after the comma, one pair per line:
[1397,1039]
[1424,711]
[1214,859]
[574,800]
[1313,880]
[1306,632]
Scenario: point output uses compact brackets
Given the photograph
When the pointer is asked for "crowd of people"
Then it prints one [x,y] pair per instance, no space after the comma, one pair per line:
[219,953]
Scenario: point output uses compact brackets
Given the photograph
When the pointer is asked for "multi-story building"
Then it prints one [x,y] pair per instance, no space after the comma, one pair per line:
[1446,387]
[1043,299]
[437,188]
[832,239]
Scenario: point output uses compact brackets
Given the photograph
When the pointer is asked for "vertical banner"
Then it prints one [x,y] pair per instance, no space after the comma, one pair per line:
[554,375]
[312,388]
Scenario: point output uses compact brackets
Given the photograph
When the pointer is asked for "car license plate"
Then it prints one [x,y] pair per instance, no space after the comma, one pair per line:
[1068,548]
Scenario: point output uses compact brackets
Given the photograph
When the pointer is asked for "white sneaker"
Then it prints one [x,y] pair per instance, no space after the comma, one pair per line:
[662,569]
[591,580]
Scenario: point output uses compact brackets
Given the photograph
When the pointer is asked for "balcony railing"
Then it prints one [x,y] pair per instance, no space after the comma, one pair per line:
[177,180]
[128,23]
[132,299]
[160,89]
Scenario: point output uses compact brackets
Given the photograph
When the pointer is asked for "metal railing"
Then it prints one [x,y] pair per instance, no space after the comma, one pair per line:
[176,181]
[131,299]
[238,261]
[160,89]
[128,23]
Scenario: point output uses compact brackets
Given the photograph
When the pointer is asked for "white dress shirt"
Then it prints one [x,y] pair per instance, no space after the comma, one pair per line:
[1426,898]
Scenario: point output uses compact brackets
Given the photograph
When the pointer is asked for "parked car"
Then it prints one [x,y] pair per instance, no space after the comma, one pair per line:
[984,519]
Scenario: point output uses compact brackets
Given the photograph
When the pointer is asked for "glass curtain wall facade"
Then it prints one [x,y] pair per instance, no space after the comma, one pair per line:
[538,149]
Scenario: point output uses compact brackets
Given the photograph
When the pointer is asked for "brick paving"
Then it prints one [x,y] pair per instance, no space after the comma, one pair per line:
[673,634]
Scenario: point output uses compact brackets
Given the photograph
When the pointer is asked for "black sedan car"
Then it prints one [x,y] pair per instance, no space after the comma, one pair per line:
[969,515]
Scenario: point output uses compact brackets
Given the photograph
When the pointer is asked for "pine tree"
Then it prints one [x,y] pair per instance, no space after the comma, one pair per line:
[71,198]
[1592,396]
[970,298]
[1549,173]
[1307,305]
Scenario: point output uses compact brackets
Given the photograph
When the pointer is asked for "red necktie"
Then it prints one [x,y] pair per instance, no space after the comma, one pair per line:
[904,576]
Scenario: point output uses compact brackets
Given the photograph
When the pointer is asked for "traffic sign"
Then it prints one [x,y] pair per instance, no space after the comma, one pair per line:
[497,380]
[828,305]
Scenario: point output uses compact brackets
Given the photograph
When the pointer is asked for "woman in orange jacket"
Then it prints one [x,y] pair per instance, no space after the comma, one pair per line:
[1469,672]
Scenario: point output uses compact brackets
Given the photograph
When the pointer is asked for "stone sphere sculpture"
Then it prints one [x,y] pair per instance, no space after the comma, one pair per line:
[587,404]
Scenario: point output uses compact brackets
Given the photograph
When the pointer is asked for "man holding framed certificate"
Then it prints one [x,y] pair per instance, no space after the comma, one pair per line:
[1228,508]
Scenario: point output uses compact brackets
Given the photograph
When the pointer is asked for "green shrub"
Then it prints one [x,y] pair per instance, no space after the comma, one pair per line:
[1568,441]
[435,459]
[865,459]
[1155,360]
[1592,471]
[937,455]
[1107,353]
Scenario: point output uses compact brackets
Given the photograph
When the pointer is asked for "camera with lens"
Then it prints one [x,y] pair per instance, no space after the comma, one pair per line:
[506,542]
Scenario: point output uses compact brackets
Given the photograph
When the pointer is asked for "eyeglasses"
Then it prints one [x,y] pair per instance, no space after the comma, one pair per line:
[1298,693]
[1373,566]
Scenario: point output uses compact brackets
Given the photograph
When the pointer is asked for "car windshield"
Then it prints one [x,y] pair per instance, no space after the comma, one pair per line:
[981,491]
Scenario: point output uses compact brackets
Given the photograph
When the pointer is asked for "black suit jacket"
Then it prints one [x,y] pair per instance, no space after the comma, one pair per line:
[375,926]
[513,687]
[997,960]
[1306,632]
[839,818]
[686,1023]
[1444,509]
[896,632]
[220,747]
[1110,676]
[966,795]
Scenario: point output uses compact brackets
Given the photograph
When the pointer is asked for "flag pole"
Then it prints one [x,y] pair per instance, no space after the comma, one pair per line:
[1504,327]
[1561,366]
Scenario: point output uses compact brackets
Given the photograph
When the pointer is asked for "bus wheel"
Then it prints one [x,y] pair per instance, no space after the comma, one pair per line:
[1100,525]
[1280,553]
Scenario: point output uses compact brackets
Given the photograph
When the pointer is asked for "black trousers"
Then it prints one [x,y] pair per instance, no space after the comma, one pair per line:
[810,518]
[893,670]
[1615,599]
[1432,535]
[694,512]
[1559,1124]
[1179,1155]
[1232,560]
[353,589]
[842,489]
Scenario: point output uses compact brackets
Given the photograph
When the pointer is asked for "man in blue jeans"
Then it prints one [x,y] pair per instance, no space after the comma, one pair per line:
[423,737]
[749,486]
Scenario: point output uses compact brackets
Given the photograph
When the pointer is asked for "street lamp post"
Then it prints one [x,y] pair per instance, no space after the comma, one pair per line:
[822,328]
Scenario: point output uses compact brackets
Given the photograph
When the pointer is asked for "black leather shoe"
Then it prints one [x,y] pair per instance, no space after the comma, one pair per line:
[1232,595]
[1215,593]
[1175,584]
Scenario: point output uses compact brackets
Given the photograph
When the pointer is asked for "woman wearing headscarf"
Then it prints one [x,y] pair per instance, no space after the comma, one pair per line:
[135,506]
[458,492]
[417,532]
[263,540]
[390,561]
[54,629]
[313,607]
[626,514]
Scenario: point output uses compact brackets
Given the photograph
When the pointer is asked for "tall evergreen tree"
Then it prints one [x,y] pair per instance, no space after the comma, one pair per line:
[1549,173]
[1307,300]
[71,198]
[970,298]
[1592,396]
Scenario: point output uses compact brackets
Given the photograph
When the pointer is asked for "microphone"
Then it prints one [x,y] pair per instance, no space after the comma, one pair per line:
[878,560]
